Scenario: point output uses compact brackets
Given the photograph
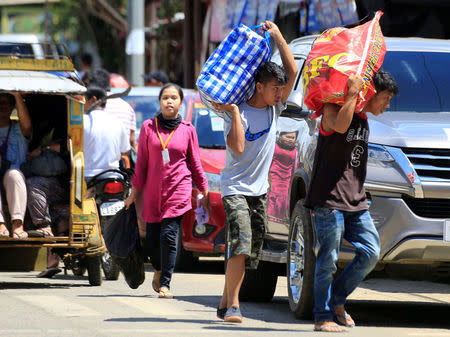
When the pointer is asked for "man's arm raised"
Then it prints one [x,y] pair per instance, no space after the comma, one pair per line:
[286,57]
[339,118]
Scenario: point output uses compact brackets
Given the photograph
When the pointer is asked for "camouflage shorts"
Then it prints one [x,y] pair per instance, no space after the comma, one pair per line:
[246,224]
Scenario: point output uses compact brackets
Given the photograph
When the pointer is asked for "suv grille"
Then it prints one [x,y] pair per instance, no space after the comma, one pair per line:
[429,208]
[430,163]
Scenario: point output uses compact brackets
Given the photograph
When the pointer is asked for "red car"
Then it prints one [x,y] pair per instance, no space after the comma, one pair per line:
[209,238]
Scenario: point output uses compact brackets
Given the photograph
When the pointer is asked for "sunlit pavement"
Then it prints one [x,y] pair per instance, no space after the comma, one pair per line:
[68,306]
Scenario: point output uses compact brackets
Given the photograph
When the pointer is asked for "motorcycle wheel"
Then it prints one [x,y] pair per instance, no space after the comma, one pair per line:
[110,268]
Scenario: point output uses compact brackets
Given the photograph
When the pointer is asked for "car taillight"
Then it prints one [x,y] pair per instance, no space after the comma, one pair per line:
[113,187]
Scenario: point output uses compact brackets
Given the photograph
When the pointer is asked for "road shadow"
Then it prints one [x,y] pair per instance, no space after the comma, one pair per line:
[253,310]
[211,325]
[400,314]
[31,285]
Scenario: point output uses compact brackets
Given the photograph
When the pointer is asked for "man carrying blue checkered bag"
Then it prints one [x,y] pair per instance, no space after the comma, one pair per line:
[250,133]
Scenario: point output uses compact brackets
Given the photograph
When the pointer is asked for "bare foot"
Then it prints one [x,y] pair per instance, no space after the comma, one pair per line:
[328,326]
[46,231]
[4,232]
[343,317]
[164,292]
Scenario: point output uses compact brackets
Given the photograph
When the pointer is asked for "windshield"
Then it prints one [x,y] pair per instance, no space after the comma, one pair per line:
[24,50]
[146,107]
[209,127]
[422,78]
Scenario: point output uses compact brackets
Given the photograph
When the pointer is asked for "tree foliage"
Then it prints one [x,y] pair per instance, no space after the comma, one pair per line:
[78,28]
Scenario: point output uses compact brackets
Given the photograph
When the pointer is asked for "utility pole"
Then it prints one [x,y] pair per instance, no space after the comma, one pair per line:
[135,46]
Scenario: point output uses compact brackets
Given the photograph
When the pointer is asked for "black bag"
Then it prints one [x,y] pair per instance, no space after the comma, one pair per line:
[121,236]
[49,163]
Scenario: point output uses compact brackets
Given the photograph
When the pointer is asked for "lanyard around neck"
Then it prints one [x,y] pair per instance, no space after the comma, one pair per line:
[163,144]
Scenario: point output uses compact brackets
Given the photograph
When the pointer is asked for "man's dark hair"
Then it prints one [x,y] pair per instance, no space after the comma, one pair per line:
[86,58]
[158,75]
[95,91]
[10,97]
[270,71]
[176,86]
[100,78]
[384,81]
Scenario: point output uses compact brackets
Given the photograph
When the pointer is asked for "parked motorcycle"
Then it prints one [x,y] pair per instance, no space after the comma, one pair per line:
[109,193]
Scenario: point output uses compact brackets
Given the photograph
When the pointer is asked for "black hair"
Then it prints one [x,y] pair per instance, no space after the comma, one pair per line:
[176,86]
[95,91]
[384,81]
[282,133]
[86,58]
[100,78]
[269,71]
[158,75]
[10,97]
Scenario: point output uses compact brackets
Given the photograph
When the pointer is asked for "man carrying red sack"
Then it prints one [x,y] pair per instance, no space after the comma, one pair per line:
[250,133]
[338,200]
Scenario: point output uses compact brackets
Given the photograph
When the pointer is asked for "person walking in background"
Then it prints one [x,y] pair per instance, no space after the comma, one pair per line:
[338,200]
[250,133]
[167,162]
[116,107]
[156,78]
[104,139]
[86,63]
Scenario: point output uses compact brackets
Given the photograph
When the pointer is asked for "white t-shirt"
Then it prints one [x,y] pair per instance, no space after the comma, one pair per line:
[247,173]
[123,111]
[105,139]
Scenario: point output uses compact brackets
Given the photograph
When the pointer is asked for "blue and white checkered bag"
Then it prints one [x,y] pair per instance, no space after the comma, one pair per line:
[228,75]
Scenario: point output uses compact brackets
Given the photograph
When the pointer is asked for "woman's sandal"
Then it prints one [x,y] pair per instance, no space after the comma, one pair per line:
[20,235]
[329,327]
[344,320]
[165,293]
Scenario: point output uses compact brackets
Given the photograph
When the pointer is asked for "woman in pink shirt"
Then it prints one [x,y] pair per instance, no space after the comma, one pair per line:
[168,161]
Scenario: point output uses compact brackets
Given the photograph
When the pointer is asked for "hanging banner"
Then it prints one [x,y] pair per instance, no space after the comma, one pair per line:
[267,10]
[324,14]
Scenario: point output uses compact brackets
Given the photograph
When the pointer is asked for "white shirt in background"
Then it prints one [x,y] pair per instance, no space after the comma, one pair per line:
[105,139]
[123,111]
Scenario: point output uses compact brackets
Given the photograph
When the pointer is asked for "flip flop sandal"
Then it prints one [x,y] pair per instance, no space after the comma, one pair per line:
[45,233]
[49,272]
[324,328]
[19,235]
[165,293]
[4,234]
[344,317]
[35,234]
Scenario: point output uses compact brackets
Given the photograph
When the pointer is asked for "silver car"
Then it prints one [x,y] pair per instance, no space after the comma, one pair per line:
[408,178]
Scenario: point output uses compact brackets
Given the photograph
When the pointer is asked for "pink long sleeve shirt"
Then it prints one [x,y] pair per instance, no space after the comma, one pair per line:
[167,188]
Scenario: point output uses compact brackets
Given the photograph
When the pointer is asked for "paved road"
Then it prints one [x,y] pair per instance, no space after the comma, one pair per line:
[68,306]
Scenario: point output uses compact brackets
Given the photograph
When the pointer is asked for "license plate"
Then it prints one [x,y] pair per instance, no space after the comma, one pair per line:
[111,208]
[447,230]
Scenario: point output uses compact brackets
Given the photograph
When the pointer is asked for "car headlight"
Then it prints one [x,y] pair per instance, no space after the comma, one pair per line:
[377,154]
[213,182]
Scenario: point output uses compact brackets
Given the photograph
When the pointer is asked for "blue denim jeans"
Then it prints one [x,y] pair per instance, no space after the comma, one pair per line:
[331,226]
[161,247]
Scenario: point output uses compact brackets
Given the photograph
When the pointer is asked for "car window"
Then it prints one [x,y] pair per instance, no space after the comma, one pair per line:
[422,79]
[209,127]
[25,50]
[147,107]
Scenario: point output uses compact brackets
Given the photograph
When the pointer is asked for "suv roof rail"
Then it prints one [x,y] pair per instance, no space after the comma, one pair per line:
[23,56]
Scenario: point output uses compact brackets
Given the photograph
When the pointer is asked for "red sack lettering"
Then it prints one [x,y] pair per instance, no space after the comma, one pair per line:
[336,54]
